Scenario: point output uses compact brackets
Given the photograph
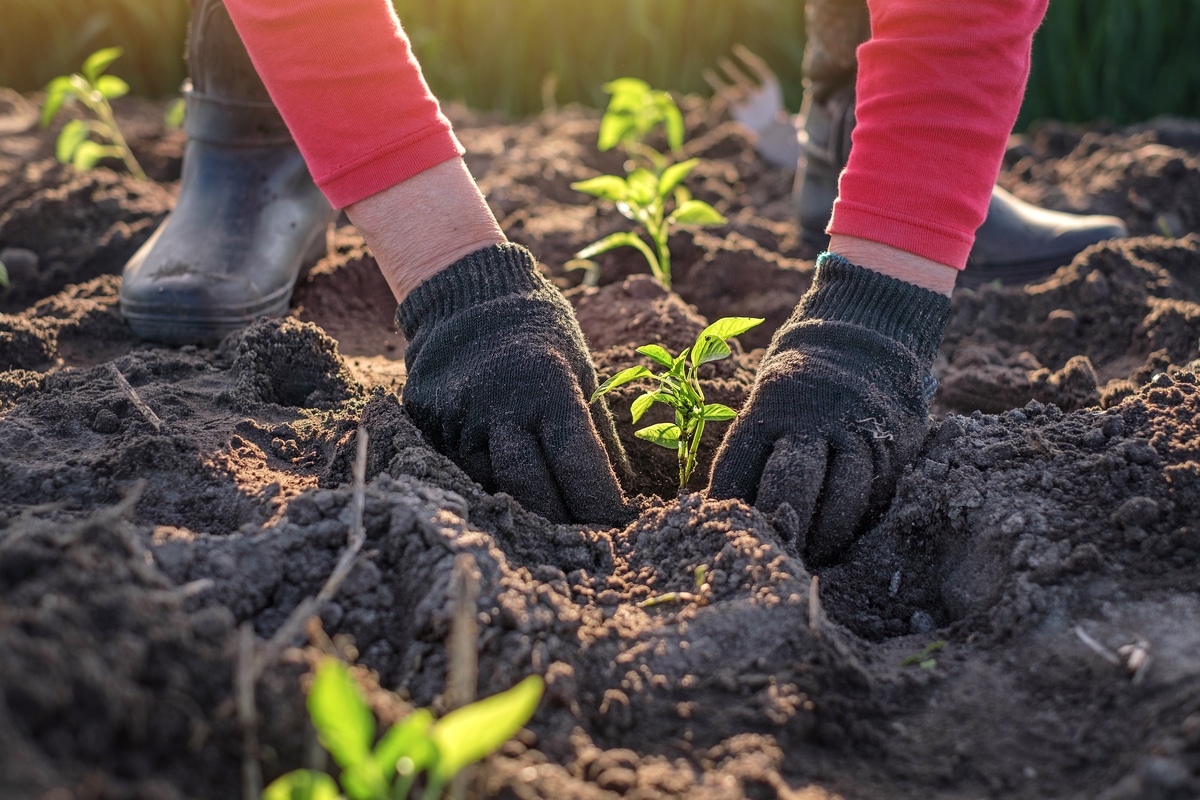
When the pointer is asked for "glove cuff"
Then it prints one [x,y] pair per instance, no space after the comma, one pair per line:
[487,274]
[908,314]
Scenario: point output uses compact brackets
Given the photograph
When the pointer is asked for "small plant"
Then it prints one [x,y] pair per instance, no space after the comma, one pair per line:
[415,745]
[924,658]
[634,110]
[645,198]
[94,89]
[4,283]
[651,195]
[679,388]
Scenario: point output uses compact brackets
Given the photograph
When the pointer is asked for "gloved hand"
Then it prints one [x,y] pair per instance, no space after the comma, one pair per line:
[839,407]
[499,379]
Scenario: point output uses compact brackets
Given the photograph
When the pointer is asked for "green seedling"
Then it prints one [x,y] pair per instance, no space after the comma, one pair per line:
[679,388]
[94,89]
[924,658]
[699,596]
[4,283]
[656,202]
[416,745]
[634,111]
[651,194]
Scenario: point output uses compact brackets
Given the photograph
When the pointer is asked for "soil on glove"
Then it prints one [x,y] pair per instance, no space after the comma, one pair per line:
[1022,622]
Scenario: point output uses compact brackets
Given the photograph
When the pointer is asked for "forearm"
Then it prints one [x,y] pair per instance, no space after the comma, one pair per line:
[343,75]
[938,90]
[424,224]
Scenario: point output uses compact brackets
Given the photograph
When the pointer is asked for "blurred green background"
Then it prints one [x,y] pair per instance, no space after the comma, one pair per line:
[1120,60]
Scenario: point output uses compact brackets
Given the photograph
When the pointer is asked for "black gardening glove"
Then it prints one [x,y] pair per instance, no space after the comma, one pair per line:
[840,405]
[499,379]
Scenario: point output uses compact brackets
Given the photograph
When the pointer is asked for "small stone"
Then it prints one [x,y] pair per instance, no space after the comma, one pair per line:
[921,622]
[106,421]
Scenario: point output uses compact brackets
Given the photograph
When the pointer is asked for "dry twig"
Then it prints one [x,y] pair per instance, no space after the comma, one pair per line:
[254,659]
[463,673]
[244,679]
[814,606]
[137,401]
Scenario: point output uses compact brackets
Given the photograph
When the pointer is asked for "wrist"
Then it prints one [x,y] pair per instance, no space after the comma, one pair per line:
[896,263]
[847,294]
[489,273]
[422,225]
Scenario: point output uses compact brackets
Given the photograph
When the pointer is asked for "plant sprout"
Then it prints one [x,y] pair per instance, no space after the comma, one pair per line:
[652,196]
[416,744]
[924,658]
[634,110]
[645,198]
[679,388]
[94,89]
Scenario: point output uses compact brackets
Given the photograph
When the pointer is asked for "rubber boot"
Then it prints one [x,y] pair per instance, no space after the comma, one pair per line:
[248,219]
[1017,242]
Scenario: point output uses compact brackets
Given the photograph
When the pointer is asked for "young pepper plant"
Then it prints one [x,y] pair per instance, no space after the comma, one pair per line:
[679,388]
[94,89]
[416,744]
[656,202]
[634,111]
[651,194]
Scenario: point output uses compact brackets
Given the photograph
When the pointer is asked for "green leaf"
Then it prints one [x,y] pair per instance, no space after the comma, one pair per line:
[711,349]
[610,242]
[4,282]
[73,134]
[344,723]
[56,92]
[99,61]
[715,412]
[673,175]
[590,268]
[621,239]
[620,379]
[302,784]
[613,130]
[87,153]
[643,187]
[925,655]
[672,120]
[174,114]
[112,87]
[697,212]
[406,739]
[711,345]
[657,353]
[472,732]
[606,187]
[364,780]
[643,403]
[728,327]
[679,365]
[664,434]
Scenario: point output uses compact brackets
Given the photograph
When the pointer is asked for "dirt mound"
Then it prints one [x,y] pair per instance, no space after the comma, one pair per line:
[1023,621]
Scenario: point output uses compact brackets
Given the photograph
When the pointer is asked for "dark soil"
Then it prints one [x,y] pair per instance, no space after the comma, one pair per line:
[1048,533]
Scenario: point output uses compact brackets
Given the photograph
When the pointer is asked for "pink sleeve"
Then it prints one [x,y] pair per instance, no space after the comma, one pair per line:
[939,87]
[344,78]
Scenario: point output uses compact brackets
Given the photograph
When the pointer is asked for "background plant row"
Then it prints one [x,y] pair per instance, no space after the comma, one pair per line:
[1122,60]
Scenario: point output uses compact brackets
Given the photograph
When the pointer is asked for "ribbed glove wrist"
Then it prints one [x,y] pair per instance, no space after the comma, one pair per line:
[846,293]
[487,274]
